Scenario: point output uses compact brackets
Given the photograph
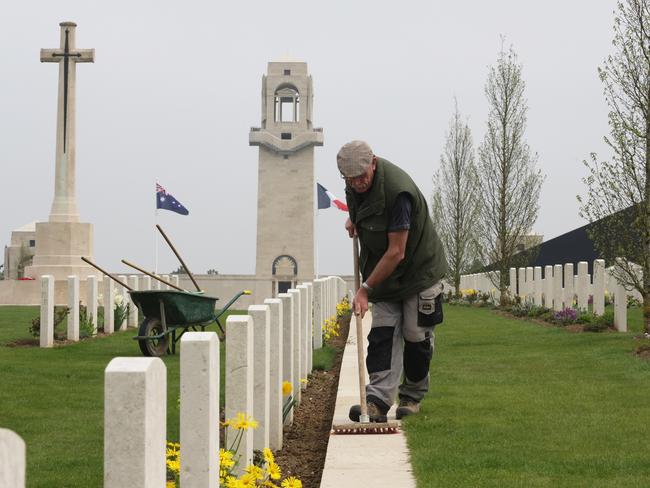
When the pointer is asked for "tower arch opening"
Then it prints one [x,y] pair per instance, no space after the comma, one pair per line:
[287,104]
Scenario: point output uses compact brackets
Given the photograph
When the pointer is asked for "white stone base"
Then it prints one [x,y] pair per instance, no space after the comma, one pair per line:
[59,247]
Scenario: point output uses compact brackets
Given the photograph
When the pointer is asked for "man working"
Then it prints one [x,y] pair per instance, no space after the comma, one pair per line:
[402,263]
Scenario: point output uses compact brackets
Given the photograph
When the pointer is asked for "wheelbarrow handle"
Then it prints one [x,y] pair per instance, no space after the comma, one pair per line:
[233,300]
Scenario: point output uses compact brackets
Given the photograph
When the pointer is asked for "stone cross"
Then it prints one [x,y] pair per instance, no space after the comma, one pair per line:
[64,206]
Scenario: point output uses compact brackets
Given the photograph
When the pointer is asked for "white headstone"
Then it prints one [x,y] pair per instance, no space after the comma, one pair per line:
[318,312]
[91,301]
[548,287]
[529,283]
[537,284]
[297,344]
[73,305]
[175,280]
[133,310]
[287,348]
[47,311]
[569,291]
[309,338]
[557,287]
[599,287]
[146,283]
[513,282]
[123,292]
[275,372]
[304,350]
[12,460]
[521,284]
[109,303]
[135,423]
[166,278]
[239,382]
[620,307]
[199,409]
[261,316]
[583,285]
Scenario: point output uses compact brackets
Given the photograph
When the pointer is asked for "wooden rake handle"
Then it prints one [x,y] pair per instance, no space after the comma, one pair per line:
[359,326]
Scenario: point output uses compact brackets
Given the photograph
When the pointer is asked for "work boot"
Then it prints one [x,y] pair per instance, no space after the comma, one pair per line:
[375,413]
[407,406]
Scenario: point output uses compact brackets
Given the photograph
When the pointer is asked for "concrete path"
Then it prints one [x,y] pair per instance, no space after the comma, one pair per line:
[377,460]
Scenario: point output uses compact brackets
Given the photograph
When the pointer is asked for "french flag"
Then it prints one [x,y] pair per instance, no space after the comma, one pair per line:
[326,198]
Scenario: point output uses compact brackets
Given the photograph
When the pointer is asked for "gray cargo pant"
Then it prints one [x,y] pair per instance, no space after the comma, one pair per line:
[398,345]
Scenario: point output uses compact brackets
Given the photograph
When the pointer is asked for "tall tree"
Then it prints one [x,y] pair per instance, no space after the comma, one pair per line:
[509,181]
[623,183]
[455,198]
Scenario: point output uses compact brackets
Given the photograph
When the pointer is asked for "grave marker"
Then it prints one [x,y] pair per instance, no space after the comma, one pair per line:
[135,423]
[47,311]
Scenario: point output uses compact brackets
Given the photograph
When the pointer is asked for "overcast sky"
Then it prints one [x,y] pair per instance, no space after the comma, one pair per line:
[175,88]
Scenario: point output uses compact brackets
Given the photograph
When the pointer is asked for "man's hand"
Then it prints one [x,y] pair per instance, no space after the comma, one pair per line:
[349,226]
[360,302]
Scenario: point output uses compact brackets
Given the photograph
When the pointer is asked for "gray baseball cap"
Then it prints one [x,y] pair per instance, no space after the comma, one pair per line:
[354,158]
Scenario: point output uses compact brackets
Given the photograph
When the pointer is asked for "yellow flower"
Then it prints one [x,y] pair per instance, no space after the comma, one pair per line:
[174,465]
[304,381]
[248,480]
[225,459]
[232,482]
[286,388]
[274,471]
[268,455]
[170,484]
[291,482]
[269,484]
[254,472]
[243,422]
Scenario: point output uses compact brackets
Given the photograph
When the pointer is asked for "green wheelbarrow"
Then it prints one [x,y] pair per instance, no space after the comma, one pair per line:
[168,314]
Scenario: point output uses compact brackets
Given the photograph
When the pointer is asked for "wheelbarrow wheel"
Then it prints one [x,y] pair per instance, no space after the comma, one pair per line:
[152,347]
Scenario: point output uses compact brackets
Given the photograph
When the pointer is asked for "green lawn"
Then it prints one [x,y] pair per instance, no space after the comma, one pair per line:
[54,399]
[513,403]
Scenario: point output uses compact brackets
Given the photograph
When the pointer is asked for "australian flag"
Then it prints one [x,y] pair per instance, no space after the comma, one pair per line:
[166,201]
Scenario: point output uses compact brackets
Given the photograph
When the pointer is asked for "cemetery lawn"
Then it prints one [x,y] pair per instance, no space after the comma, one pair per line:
[54,399]
[514,403]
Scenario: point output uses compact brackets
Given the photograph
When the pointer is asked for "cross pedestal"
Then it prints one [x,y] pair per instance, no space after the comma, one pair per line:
[62,240]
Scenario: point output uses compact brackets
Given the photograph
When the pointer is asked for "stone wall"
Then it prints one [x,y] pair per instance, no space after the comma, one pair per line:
[13,292]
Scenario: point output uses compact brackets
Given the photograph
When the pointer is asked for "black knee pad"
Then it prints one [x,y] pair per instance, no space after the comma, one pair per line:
[417,356]
[380,349]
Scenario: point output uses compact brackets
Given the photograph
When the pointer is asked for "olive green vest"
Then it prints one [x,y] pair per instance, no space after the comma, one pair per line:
[424,261]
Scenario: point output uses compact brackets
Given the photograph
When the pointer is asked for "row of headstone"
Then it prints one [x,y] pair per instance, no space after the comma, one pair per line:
[110,290]
[558,287]
[273,343]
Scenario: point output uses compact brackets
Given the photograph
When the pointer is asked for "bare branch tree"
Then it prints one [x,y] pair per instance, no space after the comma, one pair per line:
[509,181]
[455,198]
[618,191]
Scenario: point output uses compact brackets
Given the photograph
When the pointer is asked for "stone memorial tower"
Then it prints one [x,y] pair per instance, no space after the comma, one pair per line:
[62,240]
[286,184]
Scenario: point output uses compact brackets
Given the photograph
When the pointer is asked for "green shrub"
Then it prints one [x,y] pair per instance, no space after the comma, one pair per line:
[60,313]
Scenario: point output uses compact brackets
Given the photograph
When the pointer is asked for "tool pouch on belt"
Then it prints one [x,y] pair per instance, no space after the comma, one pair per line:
[430,306]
